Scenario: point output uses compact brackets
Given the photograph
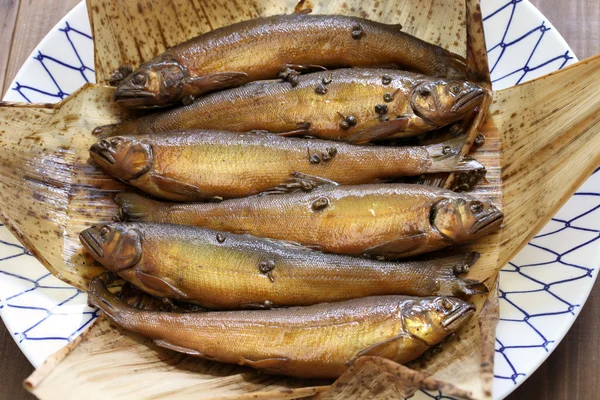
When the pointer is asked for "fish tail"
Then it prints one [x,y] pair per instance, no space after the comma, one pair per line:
[105,130]
[114,308]
[456,66]
[133,207]
[449,270]
[446,157]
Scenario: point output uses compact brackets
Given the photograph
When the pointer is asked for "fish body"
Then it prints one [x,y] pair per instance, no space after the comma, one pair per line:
[262,48]
[390,220]
[317,341]
[219,270]
[354,105]
[198,165]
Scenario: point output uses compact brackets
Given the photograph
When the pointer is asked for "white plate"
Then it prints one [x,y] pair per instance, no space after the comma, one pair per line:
[542,289]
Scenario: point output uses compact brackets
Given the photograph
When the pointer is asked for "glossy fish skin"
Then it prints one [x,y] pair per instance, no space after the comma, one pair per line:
[391,220]
[219,270]
[198,165]
[261,48]
[308,342]
[354,105]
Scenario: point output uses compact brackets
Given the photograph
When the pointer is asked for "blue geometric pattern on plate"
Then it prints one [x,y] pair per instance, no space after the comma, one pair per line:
[539,270]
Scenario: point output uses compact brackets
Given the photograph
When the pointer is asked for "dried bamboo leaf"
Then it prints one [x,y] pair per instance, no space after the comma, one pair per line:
[48,191]
[551,144]
[488,320]
[478,71]
[128,32]
[378,378]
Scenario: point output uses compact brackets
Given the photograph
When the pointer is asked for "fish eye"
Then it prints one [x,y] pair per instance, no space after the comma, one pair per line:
[424,92]
[105,230]
[454,88]
[447,304]
[139,79]
[476,207]
[444,304]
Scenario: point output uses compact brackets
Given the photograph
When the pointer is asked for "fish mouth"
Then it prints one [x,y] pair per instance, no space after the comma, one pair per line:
[106,153]
[91,242]
[469,100]
[488,223]
[126,93]
[458,316]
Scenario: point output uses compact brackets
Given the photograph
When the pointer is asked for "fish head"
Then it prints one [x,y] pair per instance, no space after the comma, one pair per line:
[125,158]
[463,219]
[116,246]
[431,319]
[442,102]
[152,85]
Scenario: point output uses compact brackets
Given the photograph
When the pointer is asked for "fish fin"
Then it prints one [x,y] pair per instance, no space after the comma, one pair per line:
[298,132]
[380,131]
[105,130]
[377,348]
[302,129]
[212,82]
[398,247]
[448,270]
[173,186]
[269,365]
[178,349]
[469,287]
[305,67]
[133,207]
[298,182]
[160,285]
[446,157]
[290,72]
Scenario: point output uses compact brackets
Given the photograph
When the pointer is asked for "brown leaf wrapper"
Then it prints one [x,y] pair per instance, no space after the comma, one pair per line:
[542,141]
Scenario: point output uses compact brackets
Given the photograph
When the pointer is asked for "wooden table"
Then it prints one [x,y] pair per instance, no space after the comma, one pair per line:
[570,373]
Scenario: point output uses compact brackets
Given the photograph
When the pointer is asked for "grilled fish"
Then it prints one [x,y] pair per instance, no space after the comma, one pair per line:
[317,341]
[220,270]
[353,105]
[198,165]
[389,220]
[283,44]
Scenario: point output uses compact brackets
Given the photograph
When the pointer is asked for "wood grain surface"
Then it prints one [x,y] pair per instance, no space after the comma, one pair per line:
[571,371]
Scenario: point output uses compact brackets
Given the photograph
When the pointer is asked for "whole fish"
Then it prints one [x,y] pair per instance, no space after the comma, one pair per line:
[198,165]
[389,220]
[283,44]
[220,270]
[318,341]
[353,105]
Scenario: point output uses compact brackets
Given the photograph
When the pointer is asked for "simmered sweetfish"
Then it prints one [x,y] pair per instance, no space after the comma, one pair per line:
[221,270]
[264,48]
[390,220]
[199,165]
[310,342]
[353,105]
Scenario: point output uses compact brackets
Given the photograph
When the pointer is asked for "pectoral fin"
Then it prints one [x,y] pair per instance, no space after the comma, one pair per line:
[175,187]
[378,349]
[208,83]
[267,365]
[178,349]
[382,130]
[160,285]
[298,182]
[398,247]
